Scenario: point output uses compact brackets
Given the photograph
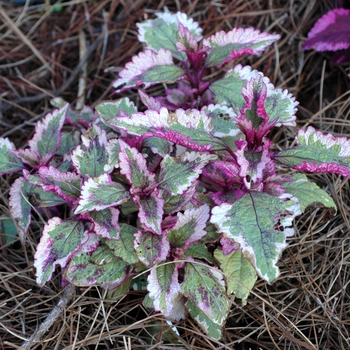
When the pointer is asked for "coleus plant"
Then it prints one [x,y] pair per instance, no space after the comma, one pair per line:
[188,190]
[331,33]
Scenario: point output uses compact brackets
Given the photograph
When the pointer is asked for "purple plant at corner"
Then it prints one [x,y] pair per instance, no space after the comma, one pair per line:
[332,33]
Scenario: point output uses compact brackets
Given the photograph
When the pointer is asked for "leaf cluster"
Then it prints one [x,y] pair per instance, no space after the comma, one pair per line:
[190,191]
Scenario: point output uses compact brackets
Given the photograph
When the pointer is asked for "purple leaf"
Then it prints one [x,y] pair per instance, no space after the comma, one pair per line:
[58,243]
[331,32]
[318,153]
[225,47]
[164,288]
[148,68]
[226,174]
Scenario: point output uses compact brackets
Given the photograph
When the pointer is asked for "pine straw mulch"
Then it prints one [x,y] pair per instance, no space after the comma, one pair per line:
[308,307]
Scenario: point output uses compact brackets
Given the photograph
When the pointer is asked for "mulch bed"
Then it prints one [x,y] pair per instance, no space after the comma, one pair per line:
[41,56]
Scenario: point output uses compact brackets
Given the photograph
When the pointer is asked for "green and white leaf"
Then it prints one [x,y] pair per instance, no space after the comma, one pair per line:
[101,193]
[308,193]
[239,273]
[260,223]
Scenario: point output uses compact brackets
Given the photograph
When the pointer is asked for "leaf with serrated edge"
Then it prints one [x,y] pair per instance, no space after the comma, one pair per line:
[260,223]
[207,325]
[101,193]
[123,246]
[178,174]
[164,288]
[151,210]
[148,68]
[331,32]
[191,128]
[162,32]
[239,273]
[149,101]
[189,228]
[226,47]
[106,222]
[133,165]
[46,140]
[151,248]
[9,163]
[64,184]
[100,268]
[318,153]
[204,287]
[279,104]
[110,109]
[58,243]
[90,159]
[308,192]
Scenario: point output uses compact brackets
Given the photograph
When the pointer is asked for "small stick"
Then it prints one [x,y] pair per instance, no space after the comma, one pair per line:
[52,317]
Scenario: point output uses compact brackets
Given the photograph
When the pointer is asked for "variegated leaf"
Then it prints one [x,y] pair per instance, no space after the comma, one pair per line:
[151,210]
[205,288]
[9,163]
[100,268]
[123,246]
[318,153]
[178,174]
[162,32]
[148,68]
[101,193]
[133,165]
[226,47]
[189,228]
[106,222]
[47,138]
[191,129]
[109,109]
[66,185]
[164,288]
[260,223]
[58,243]
[91,158]
[279,105]
[239,273]
[151,248]
[308,193]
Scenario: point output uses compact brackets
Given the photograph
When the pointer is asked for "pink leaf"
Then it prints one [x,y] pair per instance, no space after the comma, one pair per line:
[331,32]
